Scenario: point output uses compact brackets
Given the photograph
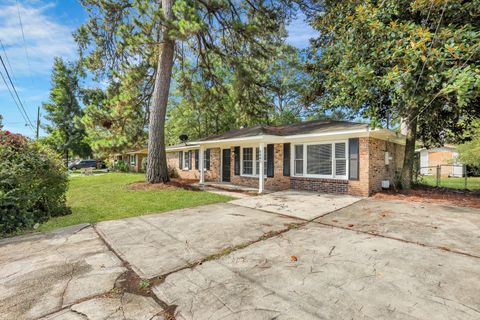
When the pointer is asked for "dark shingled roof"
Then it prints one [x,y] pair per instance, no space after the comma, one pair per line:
[314,126]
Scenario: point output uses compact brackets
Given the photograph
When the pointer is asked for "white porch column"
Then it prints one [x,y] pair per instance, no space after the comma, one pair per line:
[201,165]
[261,175]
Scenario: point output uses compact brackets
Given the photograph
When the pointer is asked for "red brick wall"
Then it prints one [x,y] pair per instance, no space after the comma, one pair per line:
[336,186]
[378,170]
[210,175]
[277,182]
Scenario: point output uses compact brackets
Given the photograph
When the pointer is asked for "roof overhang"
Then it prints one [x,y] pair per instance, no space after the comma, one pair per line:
[188,146]
[281,139]
[383,134]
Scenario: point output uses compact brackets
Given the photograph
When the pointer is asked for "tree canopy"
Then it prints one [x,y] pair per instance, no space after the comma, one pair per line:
[206,37]
[413,60]
[66,134]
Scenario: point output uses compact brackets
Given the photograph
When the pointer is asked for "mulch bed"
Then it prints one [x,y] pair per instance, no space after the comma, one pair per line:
[433,195]
[172,184]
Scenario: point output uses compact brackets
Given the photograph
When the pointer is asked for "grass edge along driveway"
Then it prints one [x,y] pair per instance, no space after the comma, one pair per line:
[107,197]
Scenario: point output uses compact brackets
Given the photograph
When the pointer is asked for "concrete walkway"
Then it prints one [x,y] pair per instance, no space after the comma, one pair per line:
[299,204]
[361,259]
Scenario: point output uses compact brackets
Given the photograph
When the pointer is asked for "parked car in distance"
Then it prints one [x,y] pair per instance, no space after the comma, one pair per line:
[83,164]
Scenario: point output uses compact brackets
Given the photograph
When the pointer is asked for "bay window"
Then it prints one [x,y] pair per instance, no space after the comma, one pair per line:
[321,160]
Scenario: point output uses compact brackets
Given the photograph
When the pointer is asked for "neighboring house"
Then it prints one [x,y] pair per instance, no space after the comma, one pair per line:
[446,157]
[325,156]
[135,158]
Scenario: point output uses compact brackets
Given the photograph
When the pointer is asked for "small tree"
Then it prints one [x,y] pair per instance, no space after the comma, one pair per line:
[66,134]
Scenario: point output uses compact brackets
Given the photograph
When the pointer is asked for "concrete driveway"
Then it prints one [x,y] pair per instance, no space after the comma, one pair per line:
[361,259]
[299,204]
[42,274]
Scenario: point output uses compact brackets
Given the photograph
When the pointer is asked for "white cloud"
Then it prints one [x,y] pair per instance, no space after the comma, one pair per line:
[300,32]
[45,38]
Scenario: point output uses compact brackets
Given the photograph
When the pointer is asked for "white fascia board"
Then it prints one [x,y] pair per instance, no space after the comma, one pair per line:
[262,138]
[188,147]
[356,133]
[280,139]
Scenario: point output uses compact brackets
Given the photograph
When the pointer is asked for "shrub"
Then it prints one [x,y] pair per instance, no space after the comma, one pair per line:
[144,164]
[33,182]
[172,172]
[121,166]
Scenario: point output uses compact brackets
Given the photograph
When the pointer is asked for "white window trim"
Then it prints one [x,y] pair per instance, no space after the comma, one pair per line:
[254,174]
[334,163]
[133,160]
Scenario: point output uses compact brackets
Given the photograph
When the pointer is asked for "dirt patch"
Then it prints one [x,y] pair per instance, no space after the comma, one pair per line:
[172,184]
[432,195]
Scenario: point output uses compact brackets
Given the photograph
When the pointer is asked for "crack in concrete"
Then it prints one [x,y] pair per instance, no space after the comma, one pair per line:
[168,310]
[399,239]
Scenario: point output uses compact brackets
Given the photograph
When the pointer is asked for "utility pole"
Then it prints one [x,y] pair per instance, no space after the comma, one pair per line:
[38,123]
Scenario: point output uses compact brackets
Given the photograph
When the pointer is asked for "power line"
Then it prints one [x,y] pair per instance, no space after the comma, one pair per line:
[14,100]
[24,42]
[16,94]
[8,60]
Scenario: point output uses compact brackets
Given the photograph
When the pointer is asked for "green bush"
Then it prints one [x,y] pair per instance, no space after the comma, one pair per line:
[33,182]
[172,172]
[121,166]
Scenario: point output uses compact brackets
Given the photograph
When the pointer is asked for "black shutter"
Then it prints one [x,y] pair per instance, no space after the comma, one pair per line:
[207,159]
[236,165]
[286,159]
[190,160]
[353,159]
[196,160]
[180,160]
[270,162]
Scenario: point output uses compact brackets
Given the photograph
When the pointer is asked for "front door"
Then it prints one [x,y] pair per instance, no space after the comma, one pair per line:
[226,165]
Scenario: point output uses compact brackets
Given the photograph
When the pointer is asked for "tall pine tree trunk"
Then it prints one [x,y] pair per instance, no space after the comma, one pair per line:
[157,170]
[409,158]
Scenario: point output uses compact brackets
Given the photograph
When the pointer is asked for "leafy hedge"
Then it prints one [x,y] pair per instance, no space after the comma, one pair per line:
[33,182]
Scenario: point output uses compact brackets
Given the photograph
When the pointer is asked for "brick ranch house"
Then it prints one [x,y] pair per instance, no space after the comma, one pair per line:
[325,156]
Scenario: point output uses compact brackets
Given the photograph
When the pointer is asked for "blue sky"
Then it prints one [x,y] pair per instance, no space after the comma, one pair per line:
[48,25]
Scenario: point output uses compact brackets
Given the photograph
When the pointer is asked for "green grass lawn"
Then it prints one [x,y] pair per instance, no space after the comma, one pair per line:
[473,183]
[107,197]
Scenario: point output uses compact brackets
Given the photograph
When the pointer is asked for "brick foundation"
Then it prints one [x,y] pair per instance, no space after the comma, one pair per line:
[320,185]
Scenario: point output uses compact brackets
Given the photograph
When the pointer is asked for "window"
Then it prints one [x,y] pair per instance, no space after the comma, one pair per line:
[319,159]
[247,161]
[322,160]
[251,161]
[340,159]
[257,162]
[298,170]
[133,160]
[206,159]
[187,160]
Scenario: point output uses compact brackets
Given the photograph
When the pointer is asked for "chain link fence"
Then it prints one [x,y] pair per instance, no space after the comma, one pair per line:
[448,176]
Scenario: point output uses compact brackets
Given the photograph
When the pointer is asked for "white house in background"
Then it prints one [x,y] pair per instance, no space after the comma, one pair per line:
[446,157]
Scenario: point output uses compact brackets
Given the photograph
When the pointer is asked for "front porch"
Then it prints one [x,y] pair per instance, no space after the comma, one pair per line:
[230,187]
